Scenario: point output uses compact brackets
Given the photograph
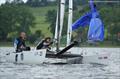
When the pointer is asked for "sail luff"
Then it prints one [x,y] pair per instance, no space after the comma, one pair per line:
[70,15]
[62,11]
[56,29]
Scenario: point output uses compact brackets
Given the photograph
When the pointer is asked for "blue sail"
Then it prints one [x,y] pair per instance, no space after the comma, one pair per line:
[96,30]
[96,27]
[82,21]
[85,19]
[91,19]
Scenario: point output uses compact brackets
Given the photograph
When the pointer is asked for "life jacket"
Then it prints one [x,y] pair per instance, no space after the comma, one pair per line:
[18,42]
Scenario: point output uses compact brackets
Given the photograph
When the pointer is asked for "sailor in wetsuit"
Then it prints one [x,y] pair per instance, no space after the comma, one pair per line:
[19,43]
[45,43]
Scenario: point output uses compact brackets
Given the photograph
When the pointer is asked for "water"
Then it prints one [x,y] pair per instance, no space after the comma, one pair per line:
[71,71]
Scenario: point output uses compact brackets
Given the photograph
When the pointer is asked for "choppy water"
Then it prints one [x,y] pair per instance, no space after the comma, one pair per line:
[74,71]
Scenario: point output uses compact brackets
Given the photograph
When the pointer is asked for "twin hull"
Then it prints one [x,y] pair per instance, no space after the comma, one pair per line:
[40,56]
[37,57]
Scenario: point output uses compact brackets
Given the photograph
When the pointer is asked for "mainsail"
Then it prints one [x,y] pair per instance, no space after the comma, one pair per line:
[62,10]
[69,29]
[59,22]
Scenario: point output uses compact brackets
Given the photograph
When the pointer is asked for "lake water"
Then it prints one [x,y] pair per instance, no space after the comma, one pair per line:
[70,71]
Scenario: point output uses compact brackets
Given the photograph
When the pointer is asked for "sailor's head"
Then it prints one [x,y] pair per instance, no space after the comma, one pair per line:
[23,35]
[47,39]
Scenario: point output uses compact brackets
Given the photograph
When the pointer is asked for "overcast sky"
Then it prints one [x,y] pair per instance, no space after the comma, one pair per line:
[3,1]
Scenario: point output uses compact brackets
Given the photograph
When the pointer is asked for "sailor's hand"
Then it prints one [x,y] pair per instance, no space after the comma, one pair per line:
[22,47]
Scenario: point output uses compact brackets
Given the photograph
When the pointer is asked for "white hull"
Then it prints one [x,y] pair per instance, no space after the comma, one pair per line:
[103,58]
[27,57]
[39,57]
[34,57]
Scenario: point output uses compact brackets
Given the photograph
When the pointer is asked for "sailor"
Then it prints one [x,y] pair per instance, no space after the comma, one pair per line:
[19,43]
[45,43]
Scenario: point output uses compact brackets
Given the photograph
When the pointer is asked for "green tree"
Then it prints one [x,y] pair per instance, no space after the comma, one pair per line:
[17,2]
[44,2]
[37,36]
[51,18]
[111,20]
[14,18]
[37,3]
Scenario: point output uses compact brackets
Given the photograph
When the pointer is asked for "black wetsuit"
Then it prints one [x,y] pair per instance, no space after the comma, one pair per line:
[42,46]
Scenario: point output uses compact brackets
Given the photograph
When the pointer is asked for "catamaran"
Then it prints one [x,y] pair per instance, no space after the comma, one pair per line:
[62,56]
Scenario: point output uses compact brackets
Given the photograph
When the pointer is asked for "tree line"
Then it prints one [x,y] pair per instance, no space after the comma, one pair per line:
[14,19]
[32,3]
[40,3]
[16,16]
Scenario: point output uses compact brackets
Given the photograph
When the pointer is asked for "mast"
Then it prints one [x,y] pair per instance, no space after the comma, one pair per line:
[62,12]
[58,27]
[70,15]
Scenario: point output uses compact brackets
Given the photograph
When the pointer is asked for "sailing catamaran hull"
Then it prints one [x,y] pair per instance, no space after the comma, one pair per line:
[42,56]
[27,57]
[103,58]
